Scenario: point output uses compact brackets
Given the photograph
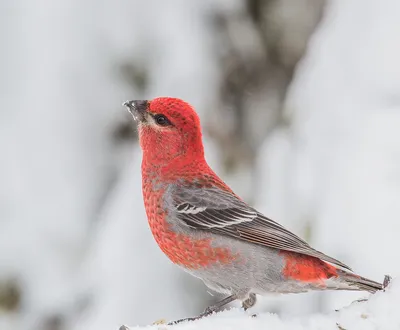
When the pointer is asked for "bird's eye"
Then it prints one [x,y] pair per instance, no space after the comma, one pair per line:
[162,120]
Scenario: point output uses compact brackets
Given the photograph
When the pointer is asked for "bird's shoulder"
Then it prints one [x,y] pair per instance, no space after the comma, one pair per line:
[194,175]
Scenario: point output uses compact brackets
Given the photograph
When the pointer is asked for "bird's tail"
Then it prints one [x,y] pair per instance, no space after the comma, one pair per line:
[358,283]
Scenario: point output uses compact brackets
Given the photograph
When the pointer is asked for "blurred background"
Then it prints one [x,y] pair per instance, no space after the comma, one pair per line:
[300,104]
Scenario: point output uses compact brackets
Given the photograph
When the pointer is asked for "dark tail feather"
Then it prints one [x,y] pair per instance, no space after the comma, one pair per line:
[359,283]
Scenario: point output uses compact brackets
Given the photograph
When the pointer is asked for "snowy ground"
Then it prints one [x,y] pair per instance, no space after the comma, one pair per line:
[380,312]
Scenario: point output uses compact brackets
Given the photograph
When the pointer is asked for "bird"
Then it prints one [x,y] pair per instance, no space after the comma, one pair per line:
[202,226]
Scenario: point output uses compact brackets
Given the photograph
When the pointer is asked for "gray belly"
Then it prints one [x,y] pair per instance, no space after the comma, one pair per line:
[257,270]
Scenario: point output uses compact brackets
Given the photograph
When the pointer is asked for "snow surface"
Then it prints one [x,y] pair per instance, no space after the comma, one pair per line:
[380,312]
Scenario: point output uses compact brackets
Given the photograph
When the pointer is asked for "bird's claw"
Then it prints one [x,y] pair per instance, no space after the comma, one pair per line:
[186,319]
[249,302]
[209,310]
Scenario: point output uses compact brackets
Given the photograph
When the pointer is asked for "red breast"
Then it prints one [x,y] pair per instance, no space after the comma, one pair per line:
[181,249]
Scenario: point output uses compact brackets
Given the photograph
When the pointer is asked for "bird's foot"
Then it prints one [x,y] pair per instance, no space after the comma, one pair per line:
[249,302]
[207,312]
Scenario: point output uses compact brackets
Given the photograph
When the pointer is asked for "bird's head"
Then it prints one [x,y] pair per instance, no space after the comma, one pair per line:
[169,128]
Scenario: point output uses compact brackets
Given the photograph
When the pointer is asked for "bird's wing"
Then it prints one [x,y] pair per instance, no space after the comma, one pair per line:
[222,212]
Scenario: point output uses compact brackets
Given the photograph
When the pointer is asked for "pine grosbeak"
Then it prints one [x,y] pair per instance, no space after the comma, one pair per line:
[205,228]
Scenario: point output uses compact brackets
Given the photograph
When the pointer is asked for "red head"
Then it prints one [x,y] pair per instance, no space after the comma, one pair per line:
[169,129]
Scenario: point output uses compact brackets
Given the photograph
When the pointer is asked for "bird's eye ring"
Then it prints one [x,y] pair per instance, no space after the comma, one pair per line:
[162,120]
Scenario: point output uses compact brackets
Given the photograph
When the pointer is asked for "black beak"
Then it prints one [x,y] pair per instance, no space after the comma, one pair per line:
[137,108]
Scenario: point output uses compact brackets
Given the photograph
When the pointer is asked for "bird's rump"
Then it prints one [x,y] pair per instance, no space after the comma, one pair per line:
[221,212]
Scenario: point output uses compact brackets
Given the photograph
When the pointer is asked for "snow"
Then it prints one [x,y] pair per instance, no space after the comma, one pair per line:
[380,312]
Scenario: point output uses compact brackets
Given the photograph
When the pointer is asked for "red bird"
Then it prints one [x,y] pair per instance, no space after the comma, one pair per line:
[205,228]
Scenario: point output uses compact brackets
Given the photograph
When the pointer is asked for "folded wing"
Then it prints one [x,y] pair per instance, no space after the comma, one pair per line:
[221,212]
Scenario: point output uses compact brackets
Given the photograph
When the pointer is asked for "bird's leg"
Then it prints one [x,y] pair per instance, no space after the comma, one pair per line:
[249,302]
[209,310]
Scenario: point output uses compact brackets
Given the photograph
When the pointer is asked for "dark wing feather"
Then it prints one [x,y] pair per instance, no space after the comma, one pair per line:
[223,213]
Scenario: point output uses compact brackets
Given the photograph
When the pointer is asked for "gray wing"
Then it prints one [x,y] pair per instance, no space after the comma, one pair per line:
[221,212]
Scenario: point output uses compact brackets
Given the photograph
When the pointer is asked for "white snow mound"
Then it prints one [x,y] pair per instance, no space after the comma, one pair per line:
[380,312]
